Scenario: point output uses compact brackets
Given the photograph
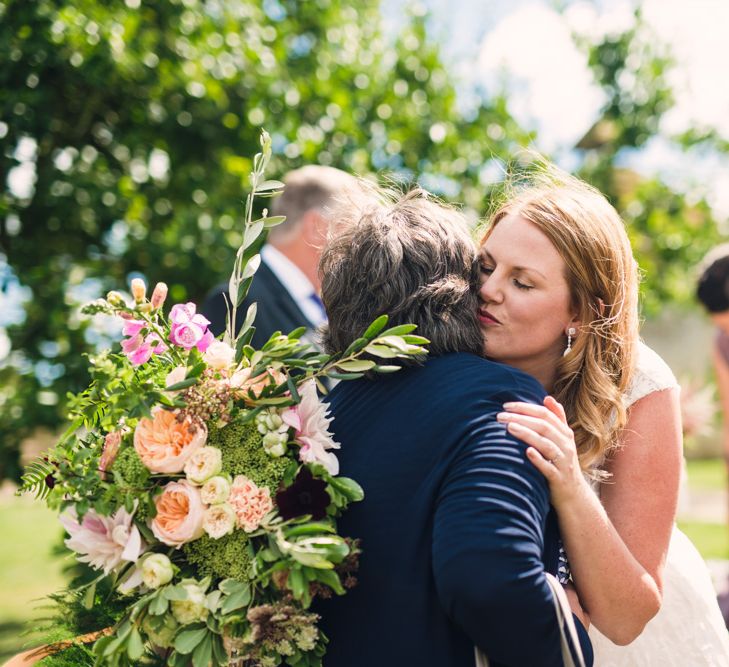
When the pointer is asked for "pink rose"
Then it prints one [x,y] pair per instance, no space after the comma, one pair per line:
[180,513]
[249,502]
[189,329]
[164,444]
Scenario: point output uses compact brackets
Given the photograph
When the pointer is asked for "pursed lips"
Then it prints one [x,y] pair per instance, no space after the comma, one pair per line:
[486,318]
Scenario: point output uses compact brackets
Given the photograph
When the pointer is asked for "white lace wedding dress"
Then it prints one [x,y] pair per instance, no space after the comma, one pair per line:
[688,631]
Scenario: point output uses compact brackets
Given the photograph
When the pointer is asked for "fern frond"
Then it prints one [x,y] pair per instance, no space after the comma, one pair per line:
[35,478]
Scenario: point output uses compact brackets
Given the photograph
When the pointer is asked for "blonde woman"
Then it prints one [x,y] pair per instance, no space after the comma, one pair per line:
[559,301]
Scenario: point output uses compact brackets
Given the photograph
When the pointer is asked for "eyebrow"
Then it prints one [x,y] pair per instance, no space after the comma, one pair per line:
[490,257]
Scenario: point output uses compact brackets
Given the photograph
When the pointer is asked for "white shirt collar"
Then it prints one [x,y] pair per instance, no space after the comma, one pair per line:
[294,281]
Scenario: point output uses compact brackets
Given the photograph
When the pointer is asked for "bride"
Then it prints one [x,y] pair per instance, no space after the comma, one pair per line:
[559,300]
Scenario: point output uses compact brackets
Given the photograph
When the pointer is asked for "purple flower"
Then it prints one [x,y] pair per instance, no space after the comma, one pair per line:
[138,347]
[103,541]
[307,495]
[189,329]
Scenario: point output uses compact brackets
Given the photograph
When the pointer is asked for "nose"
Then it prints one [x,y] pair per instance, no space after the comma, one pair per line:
[490,290]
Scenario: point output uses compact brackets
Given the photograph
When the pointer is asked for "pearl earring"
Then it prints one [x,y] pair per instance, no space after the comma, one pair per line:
[570,332]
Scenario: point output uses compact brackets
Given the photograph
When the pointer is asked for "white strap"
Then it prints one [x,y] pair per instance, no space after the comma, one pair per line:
[564,615]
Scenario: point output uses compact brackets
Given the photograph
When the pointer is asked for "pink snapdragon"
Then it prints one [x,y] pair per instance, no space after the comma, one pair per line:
[189,329]
[103,541]
[311,424]
[140,347]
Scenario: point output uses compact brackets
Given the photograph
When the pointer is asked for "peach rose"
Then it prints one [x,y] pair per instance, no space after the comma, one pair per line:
[249,502]
[180,513]
[164,444]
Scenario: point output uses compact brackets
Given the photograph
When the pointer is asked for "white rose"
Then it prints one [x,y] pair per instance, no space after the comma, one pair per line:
[204,463]
[219,355]
[193,609]
[174,376]
[219,520]
[215,490]
[157,570]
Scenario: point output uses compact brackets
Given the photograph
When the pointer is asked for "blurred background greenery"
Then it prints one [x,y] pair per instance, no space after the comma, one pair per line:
[127,130]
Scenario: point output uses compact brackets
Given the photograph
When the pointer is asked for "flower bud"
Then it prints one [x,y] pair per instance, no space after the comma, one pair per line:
[157,570]
[139,290]
[144,307]
[115,299]
[159,295]
[274,443]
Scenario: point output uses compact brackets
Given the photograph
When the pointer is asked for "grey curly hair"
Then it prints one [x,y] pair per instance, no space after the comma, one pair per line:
[407,256]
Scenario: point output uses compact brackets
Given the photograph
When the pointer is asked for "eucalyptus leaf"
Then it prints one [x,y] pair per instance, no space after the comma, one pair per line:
[342,376]
[375,328]
[182,384]
[251,267]
[251,234]
[399,330]
[273,221]
[381,351]
[267,186]
[356,366]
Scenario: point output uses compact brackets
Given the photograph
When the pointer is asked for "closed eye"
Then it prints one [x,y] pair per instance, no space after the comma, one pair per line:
[487,270]
[521,285]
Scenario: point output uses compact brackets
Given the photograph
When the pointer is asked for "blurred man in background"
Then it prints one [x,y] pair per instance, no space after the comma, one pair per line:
[286,286]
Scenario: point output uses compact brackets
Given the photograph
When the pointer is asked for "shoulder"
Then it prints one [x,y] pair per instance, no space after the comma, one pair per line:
[651,374]
[462,375]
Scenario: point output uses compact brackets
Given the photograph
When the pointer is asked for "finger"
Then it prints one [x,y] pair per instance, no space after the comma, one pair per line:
[541,426]
[546,447]
[533,410]
[554,406]
[541,464]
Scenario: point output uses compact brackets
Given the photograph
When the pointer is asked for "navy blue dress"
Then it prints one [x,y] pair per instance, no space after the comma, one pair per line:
[456,525]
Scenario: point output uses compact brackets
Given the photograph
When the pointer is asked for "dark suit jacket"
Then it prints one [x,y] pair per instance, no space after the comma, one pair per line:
[456,525]
[277,311]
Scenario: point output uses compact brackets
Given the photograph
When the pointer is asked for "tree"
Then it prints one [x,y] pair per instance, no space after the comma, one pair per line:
[140,119]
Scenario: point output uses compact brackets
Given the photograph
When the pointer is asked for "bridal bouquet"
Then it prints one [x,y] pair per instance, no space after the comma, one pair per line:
[200,479]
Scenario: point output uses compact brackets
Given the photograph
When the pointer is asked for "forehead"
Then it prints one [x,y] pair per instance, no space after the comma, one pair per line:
[518,242]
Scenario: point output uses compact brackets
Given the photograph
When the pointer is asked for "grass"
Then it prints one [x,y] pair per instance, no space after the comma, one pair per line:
[707,474]
[711,539]
[28,572]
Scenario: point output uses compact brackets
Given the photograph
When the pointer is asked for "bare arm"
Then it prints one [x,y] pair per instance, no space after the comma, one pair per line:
[616,549]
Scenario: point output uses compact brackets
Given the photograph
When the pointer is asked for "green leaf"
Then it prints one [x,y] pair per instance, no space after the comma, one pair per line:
[292,388]
[344,376]
[251,234]
[375,328]
[348,487]
[356,366]
[267,186]
[187,640]
[135,646]
[416,340]
[89,596]
[251,267]
[273,221]
[381,351]
[399,330]
[296,333]
[386,369]
[203,652]
[183,384]
[158,605]
[297,583]
[309,528]
[331,579]
[236,600]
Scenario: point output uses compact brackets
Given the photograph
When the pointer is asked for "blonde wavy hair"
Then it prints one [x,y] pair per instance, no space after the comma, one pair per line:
[602,276]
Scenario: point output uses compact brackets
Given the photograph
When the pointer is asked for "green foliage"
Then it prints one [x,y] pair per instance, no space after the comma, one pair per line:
[243,454]
[229,556]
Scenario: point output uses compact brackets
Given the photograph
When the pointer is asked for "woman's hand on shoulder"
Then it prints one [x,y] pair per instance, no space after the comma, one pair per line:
[552,447]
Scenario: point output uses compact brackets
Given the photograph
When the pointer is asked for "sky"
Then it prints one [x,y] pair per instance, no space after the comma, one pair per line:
[525,47]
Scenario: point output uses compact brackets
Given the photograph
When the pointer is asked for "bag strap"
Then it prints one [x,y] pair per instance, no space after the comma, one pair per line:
[564,617]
